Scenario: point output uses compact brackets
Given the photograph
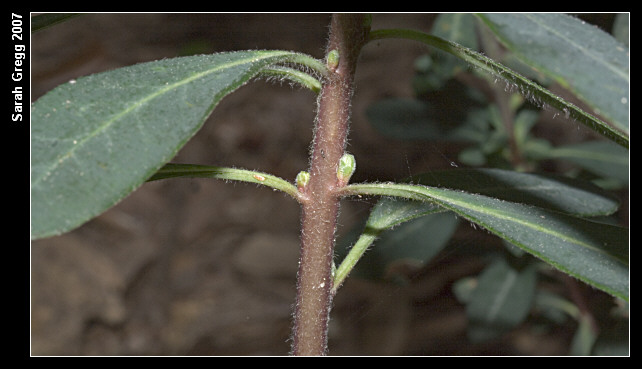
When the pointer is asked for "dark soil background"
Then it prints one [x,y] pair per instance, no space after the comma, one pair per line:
[202,267]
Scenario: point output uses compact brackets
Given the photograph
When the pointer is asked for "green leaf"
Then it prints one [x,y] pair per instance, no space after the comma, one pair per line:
[621,28]
[502,300]
[293,75]
[387,213]
[599,157]
[459,28]
[584,337]
[421,236]
[581,57]
[593,252]
[173,170]
[547,191]
[96,139]
[525,86]
[456,27]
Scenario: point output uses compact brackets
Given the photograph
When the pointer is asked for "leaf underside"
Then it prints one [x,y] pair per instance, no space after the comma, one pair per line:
[596,253]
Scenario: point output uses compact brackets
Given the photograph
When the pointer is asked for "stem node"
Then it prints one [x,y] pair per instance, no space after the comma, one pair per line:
[320,210]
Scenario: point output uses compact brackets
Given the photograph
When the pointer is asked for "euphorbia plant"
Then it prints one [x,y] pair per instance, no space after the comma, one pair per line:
[98,138]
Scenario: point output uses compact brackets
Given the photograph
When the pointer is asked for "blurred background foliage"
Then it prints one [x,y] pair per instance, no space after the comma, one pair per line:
[493,125]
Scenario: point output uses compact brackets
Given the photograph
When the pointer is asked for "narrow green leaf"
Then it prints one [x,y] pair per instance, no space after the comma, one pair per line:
[584,337]
[593,252]
[525,86]
[386,214]
[456,27]
[502,300]
[581,57]
[548,191]
[390,211]
[459,28]
[599,157]
[621,28]
[415,242]
[293,75]
[173,170]
[96,139]
[353,256]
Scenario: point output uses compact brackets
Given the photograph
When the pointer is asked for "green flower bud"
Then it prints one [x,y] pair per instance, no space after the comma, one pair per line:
[347,165]
[302,179]
[333,59]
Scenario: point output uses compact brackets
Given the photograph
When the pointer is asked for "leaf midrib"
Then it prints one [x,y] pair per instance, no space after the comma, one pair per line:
[108,123]
[507,217]
[583,50]
[432,194]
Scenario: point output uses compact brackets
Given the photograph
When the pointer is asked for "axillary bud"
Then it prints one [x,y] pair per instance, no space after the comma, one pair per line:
[333,60]
[302,179]
[347,166]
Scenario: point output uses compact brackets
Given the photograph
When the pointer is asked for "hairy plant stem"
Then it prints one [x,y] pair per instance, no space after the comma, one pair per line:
[320,196]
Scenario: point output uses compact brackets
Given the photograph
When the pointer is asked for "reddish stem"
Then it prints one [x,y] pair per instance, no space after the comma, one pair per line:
[321,205]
